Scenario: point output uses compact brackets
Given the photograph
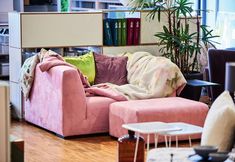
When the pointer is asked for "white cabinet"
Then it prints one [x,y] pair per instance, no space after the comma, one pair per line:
[50,30]
[76,29]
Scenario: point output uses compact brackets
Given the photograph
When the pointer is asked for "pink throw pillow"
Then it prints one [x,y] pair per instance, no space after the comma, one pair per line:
[110,69]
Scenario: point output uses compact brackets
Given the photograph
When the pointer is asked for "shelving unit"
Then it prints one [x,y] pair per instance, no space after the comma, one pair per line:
[4,52]
[75,29]
[5,7]
[78,5]
[25,6]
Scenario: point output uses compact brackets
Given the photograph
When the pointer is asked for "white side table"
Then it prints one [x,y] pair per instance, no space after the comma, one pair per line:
[186,129]
[149,128]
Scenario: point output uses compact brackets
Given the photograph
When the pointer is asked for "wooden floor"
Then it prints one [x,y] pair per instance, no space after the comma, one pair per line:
[44,146]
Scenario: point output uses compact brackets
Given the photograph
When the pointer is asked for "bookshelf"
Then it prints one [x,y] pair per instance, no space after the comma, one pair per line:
[78,5]
[59,30]
[55,5]
[4,52]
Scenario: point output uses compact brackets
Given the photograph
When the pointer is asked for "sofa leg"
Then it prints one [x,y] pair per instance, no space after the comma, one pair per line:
[60,136]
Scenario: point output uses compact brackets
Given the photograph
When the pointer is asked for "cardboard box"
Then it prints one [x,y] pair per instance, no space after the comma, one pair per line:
[4,69]
[4,48]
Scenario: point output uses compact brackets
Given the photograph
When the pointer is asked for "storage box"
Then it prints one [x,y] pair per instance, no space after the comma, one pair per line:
[4,48]
[4,69]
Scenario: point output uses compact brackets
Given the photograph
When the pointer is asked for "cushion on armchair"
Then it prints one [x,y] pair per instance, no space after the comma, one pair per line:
[85,64]
[110,69]
[219,126]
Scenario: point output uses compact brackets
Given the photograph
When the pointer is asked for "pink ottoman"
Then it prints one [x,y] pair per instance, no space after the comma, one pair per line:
[169,109]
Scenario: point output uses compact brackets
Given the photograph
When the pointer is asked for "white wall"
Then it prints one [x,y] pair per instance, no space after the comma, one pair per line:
[18,5]
[5,7]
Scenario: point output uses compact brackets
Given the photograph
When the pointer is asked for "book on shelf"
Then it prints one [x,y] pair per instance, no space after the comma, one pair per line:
[119,32]
[124,32]
[108,40]
[136,34]
[114,30]
[130,30]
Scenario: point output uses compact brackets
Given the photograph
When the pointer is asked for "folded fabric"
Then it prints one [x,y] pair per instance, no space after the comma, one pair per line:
[85,64]
[27,72]
[48,60]
[104,90]
[51,62]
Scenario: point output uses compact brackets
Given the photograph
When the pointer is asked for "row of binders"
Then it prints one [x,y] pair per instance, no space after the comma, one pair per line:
[121,32]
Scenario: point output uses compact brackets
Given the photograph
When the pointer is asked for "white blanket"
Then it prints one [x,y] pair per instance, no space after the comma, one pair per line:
[149,77]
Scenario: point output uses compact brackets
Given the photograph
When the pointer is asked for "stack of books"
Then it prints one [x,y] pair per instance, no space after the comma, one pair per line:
[121,32]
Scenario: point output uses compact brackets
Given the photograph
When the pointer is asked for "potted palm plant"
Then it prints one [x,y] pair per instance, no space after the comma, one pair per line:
[177,41]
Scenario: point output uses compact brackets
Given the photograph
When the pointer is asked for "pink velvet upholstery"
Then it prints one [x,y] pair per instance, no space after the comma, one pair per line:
[58,103]
[170,109]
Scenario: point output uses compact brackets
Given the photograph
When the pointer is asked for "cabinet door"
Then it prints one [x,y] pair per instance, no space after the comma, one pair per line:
[61,29]
[15,59]
[148,28]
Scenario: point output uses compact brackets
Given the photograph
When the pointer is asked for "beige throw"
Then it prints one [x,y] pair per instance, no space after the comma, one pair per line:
[151,77]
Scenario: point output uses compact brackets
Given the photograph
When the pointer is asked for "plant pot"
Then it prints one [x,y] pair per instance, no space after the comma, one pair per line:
[191,92]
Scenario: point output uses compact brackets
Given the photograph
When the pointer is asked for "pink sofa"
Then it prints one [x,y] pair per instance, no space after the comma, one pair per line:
[58,103]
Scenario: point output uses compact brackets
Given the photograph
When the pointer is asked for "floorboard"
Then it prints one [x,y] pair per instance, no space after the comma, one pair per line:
[44,146]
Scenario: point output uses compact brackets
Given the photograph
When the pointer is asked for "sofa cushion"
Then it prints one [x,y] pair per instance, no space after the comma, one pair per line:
[168,109]
[98,113]
[219,126]
[110,69]
[85,64]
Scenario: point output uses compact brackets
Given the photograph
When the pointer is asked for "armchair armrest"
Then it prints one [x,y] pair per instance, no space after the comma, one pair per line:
[57,101]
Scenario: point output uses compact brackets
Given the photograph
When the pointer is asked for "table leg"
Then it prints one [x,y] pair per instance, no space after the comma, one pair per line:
[169,141]
[166,141]
[156,139]
[147,146]
[176,141]
[147,143]
[190,142]
[136,146]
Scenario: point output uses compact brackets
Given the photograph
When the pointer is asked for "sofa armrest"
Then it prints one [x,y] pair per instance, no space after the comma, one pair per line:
[57,101]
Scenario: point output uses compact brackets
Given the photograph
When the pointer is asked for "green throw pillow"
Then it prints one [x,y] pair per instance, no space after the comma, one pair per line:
[85,64]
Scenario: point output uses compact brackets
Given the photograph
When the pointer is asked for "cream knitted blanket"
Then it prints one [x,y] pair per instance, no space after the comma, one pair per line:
[148,76]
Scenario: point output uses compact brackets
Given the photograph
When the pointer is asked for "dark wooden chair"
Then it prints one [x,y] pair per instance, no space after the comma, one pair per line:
[216,63]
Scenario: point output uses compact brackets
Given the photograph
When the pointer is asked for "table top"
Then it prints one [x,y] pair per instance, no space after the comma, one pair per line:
[150,127]
[200,83]
[185,129]
[174,128]
[179,155]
